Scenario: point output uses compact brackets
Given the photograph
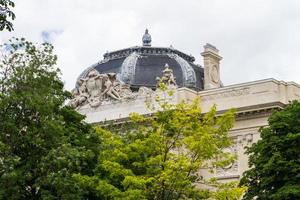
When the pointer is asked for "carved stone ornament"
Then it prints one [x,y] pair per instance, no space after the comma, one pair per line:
[167,78]
[232,168]
[97,89]
[214,74]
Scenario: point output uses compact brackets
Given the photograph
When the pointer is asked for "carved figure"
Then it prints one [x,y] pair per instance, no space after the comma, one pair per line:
[94,84]
[75,101]
[80,94]
[168,78]
[125,92]
[109,87]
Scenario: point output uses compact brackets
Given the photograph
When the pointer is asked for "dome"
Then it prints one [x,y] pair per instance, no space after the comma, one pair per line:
[141,65]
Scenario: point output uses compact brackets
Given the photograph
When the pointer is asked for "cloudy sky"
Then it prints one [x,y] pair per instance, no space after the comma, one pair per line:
[258,39]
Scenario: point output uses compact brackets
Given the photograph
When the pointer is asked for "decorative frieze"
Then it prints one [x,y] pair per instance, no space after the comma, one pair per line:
[227,94]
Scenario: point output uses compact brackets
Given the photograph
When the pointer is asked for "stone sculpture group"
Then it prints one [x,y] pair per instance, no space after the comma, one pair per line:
[168,78]
[97,89]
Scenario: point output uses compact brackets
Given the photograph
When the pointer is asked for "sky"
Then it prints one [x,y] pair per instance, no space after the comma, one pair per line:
[257,39]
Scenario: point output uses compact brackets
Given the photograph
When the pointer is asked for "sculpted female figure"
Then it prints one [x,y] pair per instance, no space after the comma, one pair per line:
[80,94]
[94,83]
[109,87]
[94,87]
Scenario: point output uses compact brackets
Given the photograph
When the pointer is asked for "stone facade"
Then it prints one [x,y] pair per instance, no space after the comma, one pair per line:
[103,98]
[254,102]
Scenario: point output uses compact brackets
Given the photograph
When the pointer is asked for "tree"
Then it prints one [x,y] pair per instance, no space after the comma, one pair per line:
[42,141]
[6,14]
[159,156]
[274,160]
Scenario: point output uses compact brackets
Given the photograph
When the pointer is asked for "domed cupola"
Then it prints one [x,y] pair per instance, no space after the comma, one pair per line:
[140,65]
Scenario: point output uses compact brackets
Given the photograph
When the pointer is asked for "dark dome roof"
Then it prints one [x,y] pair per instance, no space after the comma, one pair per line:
[140,65]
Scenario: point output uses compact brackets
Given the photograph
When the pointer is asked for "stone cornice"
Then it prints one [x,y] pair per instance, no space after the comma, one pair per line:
[249,112]
[257,111]
[250,83]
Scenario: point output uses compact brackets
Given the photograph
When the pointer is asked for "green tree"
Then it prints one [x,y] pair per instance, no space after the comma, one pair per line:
[159,156]
[6,14]
[42,141]
[275,160]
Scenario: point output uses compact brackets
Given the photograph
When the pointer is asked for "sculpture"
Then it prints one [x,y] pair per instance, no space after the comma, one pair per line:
[94,87]
[125,92]
[80,94]
[110,83]
[94,83]
[99,88]
[167,78]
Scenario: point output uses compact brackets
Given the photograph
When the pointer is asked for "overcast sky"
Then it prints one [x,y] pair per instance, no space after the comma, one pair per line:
[257,39]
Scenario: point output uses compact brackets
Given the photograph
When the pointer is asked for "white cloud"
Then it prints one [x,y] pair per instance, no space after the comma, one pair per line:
[257,39]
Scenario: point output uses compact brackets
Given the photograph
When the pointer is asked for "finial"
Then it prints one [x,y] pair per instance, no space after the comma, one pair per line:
[146,38]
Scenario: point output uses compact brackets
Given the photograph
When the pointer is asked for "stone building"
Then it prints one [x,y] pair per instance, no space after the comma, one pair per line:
[121,83]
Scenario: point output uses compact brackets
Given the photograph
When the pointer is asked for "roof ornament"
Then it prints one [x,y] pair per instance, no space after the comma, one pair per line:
[167,78]
[147,39]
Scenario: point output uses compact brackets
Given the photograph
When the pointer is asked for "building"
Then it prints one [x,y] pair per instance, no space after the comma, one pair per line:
[121,83]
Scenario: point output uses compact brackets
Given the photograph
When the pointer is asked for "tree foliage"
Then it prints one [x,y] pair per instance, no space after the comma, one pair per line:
[159,156]
[6,15]
[42,141]
[275,160]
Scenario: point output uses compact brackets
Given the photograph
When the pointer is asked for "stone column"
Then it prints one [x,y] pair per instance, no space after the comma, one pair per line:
[211,67]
